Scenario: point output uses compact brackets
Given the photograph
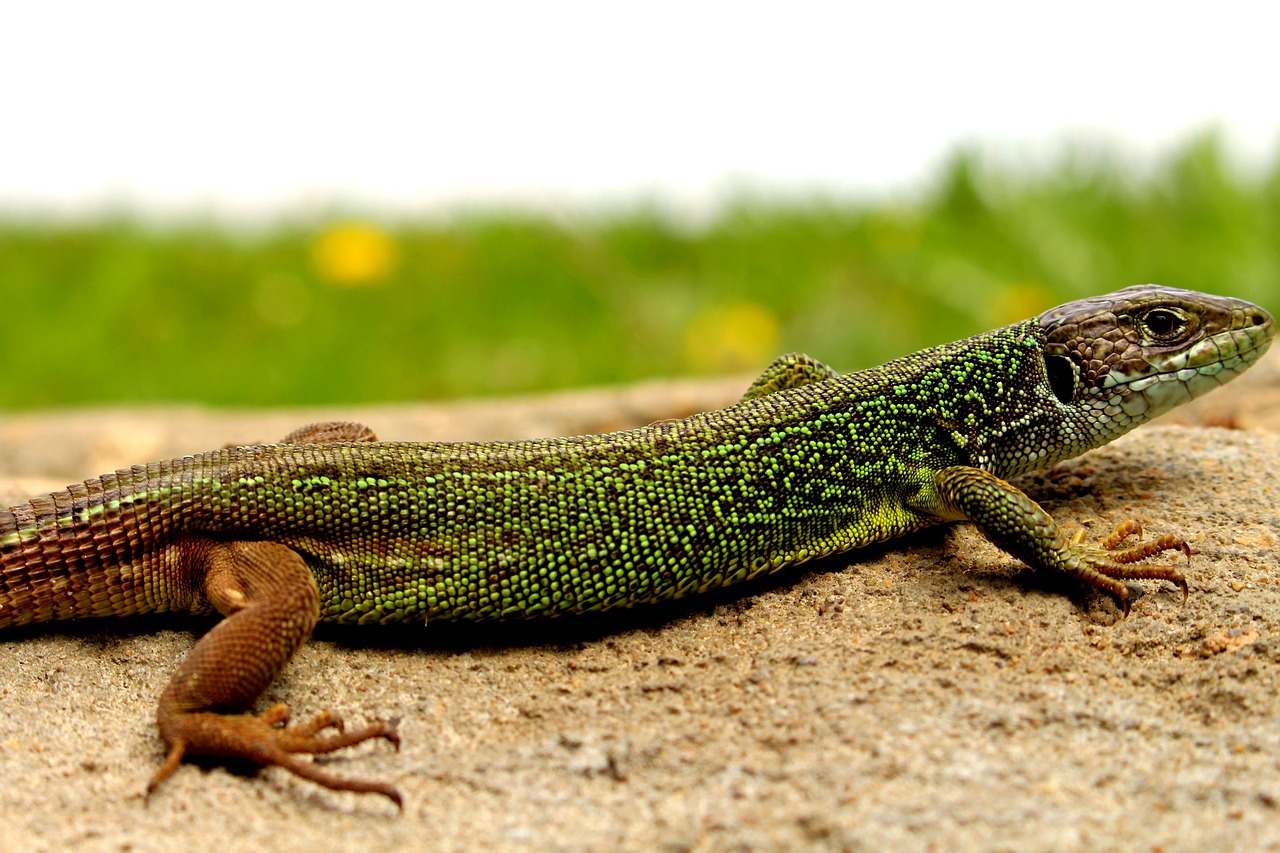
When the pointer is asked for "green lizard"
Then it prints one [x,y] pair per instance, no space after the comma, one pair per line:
[331,524]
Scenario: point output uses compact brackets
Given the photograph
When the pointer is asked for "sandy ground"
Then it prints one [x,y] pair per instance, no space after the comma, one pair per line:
[929,695]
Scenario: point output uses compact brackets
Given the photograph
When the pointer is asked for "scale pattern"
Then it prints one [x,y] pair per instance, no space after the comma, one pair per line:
[332,524]
[425,531]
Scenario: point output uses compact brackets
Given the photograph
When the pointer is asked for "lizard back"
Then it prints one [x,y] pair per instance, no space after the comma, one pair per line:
[420,531]
[423,531]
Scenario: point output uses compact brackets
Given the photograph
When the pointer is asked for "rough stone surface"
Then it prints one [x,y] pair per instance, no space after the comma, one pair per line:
[930,694]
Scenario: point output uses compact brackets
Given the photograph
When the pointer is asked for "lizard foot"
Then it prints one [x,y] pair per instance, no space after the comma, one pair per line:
[268,739]
[1106,566]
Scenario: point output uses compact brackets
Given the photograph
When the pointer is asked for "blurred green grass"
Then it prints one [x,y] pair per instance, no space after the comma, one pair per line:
[360,310]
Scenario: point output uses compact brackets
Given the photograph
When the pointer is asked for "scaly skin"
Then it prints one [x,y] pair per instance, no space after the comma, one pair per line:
[334,525]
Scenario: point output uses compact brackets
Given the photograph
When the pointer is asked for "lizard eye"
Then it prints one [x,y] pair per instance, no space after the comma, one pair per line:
[1062,377]
[1164,324]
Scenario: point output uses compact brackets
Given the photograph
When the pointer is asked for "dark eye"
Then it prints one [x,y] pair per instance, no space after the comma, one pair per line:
[1163,323]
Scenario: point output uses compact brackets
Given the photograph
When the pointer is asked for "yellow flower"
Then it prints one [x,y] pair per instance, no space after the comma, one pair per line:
[731,336]
[354,253]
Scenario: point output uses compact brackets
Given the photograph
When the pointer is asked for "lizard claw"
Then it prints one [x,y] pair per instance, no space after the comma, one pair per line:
[268,739]
[1105,567]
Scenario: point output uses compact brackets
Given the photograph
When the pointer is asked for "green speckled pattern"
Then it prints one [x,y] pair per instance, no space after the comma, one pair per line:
[419,532]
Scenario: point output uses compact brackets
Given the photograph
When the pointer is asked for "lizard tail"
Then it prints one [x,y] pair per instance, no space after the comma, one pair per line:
[82,551]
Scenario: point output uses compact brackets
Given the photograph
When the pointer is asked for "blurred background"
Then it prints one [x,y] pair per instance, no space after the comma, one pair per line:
[310,203]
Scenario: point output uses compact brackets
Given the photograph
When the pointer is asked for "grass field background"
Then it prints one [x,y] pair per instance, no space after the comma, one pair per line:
[355,308]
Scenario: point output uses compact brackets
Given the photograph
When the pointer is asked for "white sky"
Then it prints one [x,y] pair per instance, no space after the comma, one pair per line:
[236,107]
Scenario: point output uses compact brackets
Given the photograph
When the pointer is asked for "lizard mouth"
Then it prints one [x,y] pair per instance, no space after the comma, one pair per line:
[1228,351]
[1163,380]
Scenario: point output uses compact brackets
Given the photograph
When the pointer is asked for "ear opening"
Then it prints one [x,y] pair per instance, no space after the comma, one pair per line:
[1062,377]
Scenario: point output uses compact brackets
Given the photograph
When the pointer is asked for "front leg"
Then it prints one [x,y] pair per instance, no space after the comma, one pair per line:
[271,602]
[1018,525]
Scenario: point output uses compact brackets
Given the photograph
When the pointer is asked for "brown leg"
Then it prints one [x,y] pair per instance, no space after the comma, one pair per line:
[271,602]
[328,432]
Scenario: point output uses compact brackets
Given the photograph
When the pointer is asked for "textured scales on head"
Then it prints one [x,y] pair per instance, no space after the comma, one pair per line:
[1116,361]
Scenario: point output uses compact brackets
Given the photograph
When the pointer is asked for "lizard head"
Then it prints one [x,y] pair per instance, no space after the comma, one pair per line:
[1129,356]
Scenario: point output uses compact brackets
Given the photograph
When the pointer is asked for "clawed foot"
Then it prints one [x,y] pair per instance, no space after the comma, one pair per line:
[1105,567]
[268,739]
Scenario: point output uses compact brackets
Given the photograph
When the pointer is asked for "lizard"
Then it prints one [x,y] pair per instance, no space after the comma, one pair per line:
[332,524]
